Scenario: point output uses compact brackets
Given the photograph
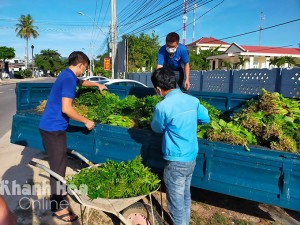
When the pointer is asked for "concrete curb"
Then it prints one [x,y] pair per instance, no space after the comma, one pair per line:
[13,81]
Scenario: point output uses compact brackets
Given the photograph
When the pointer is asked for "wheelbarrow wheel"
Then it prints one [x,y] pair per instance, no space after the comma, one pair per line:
[141,214]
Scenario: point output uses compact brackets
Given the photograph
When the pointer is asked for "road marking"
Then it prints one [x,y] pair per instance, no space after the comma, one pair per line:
[1,92]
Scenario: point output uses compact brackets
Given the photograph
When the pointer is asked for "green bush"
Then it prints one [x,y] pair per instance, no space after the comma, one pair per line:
[23,74]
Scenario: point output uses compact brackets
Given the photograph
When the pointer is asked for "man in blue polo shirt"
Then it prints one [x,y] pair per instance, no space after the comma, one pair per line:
[55,121]
[173,55]
[176,117]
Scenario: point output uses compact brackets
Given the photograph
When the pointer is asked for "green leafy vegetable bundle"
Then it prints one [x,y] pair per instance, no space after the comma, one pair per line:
[107,108]
[274,120]
[271,120]
[116,180]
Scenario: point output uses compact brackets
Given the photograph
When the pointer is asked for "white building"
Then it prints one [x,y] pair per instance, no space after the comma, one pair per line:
[255,56]
[16,64]
[206,43]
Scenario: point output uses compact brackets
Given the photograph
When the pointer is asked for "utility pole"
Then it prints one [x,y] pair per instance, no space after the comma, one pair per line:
[184,17]
[194,21]
[113,36]
[262,17]
[92,59]
[32,59]
[26,57]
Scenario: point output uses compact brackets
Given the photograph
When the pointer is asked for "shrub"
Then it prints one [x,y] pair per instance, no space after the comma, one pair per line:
[23,74]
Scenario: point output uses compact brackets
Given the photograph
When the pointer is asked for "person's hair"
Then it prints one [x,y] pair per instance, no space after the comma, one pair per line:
[163,78]
[77,57]
[172,37]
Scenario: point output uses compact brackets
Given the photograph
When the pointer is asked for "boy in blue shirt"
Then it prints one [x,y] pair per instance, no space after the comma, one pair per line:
[176,117]
[173,55]
[55,121]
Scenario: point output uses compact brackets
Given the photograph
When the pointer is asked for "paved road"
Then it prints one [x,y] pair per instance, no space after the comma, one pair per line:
[8,100]
[7,107]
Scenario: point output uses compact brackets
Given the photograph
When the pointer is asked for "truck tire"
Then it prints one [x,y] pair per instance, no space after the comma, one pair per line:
[140,214]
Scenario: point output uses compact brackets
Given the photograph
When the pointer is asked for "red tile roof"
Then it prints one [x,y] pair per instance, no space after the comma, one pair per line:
[273,50]
[208,40]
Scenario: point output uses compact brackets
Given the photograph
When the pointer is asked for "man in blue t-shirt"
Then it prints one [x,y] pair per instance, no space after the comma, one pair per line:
[55,121]
[173,55]
[176,117]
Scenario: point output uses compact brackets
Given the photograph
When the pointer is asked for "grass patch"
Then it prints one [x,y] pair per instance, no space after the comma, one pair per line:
[218,219]
[241,222]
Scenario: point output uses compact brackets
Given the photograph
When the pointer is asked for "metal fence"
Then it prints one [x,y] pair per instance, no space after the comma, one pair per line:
[251,81]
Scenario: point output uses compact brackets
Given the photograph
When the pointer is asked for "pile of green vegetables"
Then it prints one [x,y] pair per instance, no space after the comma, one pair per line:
[270,120]
[109,109]
[116,180]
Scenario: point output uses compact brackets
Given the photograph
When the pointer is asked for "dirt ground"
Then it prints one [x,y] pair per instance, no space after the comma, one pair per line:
[208,208]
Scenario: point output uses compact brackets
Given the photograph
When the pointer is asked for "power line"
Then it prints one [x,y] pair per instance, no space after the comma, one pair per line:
[202,14]
[163,16]
[138,19]
[250,32]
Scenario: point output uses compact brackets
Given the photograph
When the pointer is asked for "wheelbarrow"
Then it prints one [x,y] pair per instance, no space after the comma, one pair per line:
[129,210]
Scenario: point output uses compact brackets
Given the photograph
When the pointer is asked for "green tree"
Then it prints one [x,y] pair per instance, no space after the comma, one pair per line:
[241,62]
[50,60]
[278,61]
[6,53]
[290,60]
[199,61]
[25,29]
[142,51]
[227,65]
[99,66]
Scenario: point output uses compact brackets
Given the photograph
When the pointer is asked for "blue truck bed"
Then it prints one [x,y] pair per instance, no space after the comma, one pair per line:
[261,175]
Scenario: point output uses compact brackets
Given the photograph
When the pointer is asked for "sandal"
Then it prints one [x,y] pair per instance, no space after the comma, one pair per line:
[61,217]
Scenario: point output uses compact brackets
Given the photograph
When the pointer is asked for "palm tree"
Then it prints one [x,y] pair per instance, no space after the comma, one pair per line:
[290,60]
[227,65]
[241,62]
[277,61]
[25,29]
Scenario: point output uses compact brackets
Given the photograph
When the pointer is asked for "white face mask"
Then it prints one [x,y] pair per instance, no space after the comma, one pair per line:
[171,50]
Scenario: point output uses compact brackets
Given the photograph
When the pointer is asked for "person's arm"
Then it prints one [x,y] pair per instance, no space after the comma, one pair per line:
[87,83]
[187,84]
[68,109]
[160,58]
[202,115]
[157,123]
[6,216]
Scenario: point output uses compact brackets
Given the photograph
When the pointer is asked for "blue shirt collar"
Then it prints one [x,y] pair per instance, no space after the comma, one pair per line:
[173,92]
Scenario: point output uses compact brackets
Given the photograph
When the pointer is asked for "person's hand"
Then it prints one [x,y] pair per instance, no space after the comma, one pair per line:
[187,85]
[102,87]
[89,124]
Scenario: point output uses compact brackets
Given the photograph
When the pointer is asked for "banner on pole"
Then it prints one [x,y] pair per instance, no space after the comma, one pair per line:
[106,63]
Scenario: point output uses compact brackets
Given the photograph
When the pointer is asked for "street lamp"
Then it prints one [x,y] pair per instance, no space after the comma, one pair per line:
[83,14]
[113,51]
[32,47]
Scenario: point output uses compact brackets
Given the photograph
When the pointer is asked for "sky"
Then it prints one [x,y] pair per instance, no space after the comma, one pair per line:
[63,29]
